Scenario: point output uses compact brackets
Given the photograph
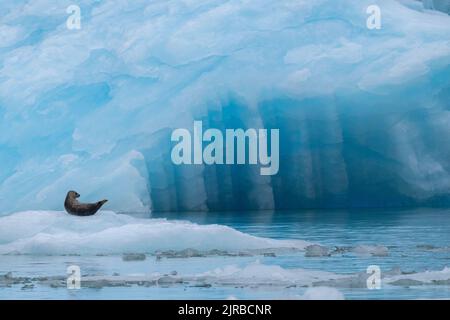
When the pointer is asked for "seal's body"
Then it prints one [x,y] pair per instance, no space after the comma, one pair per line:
[72,205]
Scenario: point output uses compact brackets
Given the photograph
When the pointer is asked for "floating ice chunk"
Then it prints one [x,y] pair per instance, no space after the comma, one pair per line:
[376,251]
[316,250]
[262,275]
[134,257]
[406,282]
[56,233]
[322,293]
[358,280]
[441,277]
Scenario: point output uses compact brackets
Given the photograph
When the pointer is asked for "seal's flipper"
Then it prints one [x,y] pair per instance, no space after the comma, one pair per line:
[101,203]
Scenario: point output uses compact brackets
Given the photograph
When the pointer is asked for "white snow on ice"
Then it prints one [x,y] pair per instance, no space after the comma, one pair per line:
[56,233]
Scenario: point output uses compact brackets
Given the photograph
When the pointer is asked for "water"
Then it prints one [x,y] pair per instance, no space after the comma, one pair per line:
[417,241]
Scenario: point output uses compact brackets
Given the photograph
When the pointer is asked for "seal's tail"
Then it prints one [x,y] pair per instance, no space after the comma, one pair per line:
[100,203]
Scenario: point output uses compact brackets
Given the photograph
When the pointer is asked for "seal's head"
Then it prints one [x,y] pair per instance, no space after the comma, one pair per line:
[73,195]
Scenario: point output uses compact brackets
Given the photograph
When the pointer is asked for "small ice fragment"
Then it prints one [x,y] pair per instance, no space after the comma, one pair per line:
[322,293]
[407,283]
[376,251]
[133,257]
[269,254]
[316,250]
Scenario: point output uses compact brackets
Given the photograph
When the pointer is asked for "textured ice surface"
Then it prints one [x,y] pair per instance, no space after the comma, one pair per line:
[441,5]
[56,233]
[320,284]
[363,114]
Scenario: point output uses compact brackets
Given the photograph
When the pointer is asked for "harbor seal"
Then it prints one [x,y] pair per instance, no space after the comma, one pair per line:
[76,208]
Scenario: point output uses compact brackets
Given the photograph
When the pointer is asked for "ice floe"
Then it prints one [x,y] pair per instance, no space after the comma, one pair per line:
[57,233]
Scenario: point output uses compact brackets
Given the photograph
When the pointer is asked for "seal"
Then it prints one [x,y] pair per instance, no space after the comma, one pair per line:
[76,208]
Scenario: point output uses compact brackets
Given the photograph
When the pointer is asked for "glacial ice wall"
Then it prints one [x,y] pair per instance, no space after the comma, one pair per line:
[363,114]
[441,5]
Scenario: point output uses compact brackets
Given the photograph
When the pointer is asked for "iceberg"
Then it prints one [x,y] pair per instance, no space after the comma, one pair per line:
[56,233]
[363,114]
